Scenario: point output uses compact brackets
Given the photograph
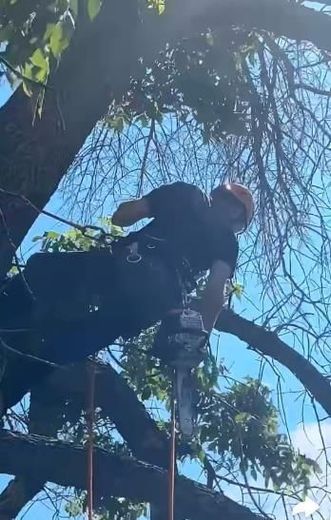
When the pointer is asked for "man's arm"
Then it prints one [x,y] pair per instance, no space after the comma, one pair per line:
[159,202]
[130,212]
[213,295]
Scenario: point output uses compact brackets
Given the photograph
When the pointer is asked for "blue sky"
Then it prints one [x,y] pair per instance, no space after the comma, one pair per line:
[237,357]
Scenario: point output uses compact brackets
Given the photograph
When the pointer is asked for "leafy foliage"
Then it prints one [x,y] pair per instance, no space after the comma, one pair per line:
[242,422]
[34,34]
[201,78]
[80,238]
[33,37]
[114,509]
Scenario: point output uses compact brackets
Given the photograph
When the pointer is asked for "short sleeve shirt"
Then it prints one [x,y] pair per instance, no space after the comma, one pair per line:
[180,215]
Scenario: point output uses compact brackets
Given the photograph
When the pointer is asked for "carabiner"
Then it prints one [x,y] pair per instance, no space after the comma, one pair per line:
[134,258]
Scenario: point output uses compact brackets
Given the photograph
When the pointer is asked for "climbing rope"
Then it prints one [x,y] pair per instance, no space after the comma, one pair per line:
[172,461]
[90,419]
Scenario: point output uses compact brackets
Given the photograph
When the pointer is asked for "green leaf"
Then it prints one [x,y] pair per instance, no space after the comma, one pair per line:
[93,8]
[38,59]
[49,29]
[159,5]
[52,235]
[116,123]
[58,41]
[238,290]
[201,456]
[143,120]
[27,70]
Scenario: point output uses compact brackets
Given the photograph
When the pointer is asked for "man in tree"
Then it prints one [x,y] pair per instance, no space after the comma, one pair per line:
[67,306]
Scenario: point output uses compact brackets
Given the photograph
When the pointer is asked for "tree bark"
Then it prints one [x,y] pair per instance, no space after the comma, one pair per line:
[65,464]
[17,494]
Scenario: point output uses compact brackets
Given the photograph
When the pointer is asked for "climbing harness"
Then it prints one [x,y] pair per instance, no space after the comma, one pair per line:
[133,257]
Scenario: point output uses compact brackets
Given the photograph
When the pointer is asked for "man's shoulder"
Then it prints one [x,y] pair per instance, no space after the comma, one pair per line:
[178,197]
[182,185]
[187,189]
[178,193]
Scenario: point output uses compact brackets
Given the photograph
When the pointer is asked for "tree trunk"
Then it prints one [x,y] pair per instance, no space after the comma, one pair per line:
[34,158]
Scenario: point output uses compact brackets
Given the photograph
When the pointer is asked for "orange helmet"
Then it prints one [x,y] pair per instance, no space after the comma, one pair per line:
[242,194]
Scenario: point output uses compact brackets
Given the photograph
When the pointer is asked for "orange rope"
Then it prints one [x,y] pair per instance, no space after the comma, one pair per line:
[90,417]
[172,461]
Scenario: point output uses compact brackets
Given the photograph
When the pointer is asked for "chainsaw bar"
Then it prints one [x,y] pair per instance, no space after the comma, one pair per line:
[185,392]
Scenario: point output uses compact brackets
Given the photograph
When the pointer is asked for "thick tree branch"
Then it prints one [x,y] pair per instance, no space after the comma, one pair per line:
[281,17]
[65,464]
[43,420]
[116,399]
[269,344]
